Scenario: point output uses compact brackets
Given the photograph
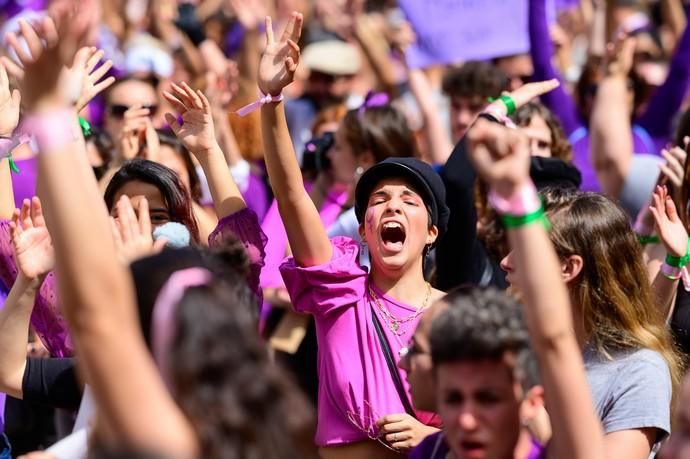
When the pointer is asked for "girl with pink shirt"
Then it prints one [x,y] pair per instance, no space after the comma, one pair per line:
[363,317]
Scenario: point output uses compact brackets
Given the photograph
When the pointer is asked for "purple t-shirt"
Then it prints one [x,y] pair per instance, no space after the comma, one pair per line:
[434,447]
[355,385]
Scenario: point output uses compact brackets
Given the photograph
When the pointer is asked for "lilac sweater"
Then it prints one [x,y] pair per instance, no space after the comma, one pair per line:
[651,130]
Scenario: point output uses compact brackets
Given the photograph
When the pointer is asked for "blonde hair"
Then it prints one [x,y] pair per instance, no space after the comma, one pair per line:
[612,291]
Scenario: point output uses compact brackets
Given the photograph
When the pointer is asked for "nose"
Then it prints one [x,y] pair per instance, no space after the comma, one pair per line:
[464,117]
[393,206]
[507,264]
[467,421]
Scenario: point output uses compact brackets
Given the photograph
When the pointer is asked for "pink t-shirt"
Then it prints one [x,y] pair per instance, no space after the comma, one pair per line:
[355,385]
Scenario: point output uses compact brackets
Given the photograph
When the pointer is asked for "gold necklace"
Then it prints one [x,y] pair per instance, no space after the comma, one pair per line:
[393,323]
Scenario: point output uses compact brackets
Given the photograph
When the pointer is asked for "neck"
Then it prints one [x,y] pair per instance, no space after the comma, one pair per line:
[409,288]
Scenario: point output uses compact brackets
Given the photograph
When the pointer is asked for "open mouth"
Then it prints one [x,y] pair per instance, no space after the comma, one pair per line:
[473,450]
[393,236]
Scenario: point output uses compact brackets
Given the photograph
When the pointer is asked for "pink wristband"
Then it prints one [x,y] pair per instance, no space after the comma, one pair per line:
[671,272]
[53,129]
[503,119]
[6,147]
[524,200]
[263,99]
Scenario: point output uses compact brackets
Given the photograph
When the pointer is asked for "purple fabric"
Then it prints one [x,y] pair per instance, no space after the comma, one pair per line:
[24,183]
[45,318]
[425,450]
[3,297]
[51,327]
[11,8]
[651,130]
[245,226]
[256,196]
[355,385]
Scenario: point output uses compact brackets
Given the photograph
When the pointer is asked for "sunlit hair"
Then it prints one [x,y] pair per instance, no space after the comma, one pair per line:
[612,291]
[382,131]
[560,147]
[332,114]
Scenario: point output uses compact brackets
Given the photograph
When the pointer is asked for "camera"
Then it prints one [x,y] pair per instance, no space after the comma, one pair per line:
[315,156]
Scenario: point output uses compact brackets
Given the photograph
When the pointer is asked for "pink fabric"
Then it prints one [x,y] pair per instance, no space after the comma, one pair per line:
[355,385]
[277,237]
[45,318]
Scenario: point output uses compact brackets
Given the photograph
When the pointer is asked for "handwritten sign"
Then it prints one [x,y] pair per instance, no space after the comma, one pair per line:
[451,31]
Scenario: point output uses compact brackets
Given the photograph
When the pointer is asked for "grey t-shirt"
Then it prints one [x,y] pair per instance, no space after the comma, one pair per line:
[632,391]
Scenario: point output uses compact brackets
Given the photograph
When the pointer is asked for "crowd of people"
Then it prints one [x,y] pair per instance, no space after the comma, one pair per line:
[263,229]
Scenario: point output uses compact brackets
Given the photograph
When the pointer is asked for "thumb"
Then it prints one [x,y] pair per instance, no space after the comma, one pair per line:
[172,121]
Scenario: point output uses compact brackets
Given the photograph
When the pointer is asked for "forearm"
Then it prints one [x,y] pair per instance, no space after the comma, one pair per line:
[577,431]
[6,191]
[227,198]
[665,294]
[439,141]
[674,17]
[376,51]
[305,231]
[611,134]
[106,333]
[14,328]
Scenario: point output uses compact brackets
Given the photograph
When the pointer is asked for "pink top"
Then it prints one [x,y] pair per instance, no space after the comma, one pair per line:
[355,385]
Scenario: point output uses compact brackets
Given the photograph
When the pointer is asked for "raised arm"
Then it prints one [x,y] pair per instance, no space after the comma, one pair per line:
[9,117]
[668,98]
[307,235]
[610,128]
[197,133]
[129,392]
[501,157]
[33,252]
[541,50]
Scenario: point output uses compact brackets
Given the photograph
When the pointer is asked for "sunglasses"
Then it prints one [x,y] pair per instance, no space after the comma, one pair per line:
[118,111]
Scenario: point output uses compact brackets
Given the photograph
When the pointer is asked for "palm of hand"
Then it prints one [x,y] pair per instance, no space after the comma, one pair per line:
[9,110]
[273,71]
[34,252]
[675,237]
[197,131]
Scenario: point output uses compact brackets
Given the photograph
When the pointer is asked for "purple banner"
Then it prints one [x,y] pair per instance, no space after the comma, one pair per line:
[450,31]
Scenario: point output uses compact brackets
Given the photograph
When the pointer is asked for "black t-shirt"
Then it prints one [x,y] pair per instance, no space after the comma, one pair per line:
[52,382]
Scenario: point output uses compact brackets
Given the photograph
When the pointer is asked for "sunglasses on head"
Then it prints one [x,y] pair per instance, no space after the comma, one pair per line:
[118,111]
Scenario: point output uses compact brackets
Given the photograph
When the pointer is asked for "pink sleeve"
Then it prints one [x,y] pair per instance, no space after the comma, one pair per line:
[244,225]
[325,288]
[45,318]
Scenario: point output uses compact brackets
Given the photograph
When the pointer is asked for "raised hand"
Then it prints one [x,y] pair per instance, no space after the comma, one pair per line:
[249,12]
[9,105]
[33,247]
[197,131]
[136,119]
[52,44]
[669,226]
[279,59]
[84,68]
[131,233]
[500,156]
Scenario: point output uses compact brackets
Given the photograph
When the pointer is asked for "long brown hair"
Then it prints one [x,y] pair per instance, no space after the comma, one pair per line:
[612,291]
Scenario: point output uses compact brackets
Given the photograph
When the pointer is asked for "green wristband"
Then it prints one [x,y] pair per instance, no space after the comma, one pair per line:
[13,165]
[645,240]
[509,103]
[677,262]
[517,221]
[85,127]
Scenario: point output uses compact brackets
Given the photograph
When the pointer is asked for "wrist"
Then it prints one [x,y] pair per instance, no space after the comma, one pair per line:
[510,196]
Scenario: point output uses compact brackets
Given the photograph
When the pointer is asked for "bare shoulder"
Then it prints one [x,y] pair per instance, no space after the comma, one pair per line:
[437,294]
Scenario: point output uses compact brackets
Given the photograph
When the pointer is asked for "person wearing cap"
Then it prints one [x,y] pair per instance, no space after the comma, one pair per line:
[332,65]
[363,318]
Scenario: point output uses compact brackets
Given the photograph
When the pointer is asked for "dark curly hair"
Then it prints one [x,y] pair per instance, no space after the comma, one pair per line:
[560,147]
[479,324]
[474,78]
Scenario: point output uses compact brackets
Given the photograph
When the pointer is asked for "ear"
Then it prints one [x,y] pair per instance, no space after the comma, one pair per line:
[432,235]
[571,267]
[361,231]
[366,160]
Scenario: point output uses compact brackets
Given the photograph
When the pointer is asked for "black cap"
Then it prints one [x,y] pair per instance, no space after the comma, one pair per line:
[554,173]
[419,174]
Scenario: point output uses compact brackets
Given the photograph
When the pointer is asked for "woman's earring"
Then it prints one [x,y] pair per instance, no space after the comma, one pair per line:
[358,172]
[364,261]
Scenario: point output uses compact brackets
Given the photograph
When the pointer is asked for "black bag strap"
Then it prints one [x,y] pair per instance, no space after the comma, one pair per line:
[392,367]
